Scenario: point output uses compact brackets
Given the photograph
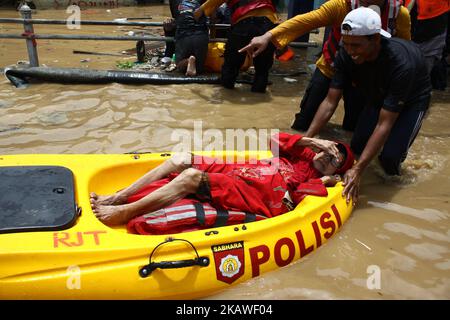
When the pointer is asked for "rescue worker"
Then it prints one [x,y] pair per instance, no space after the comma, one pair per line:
[431,28]
[264,187]
[170,27]
[249,18]
[429,32]
[395,20]
[391,72]
[191,39]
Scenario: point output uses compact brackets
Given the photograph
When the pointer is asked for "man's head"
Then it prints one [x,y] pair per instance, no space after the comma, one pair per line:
[328,164]
[368,3]
[361,34]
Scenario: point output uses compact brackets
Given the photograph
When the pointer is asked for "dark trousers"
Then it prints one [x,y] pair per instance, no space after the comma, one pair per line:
[170,46]
[240,35]
[400,138]
[296,7]
[316,92]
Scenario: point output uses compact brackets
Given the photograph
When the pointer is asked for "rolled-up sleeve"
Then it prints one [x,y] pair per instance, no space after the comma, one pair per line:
[330,13]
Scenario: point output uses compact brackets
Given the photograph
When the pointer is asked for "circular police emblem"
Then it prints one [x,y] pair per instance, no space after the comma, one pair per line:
[230,265]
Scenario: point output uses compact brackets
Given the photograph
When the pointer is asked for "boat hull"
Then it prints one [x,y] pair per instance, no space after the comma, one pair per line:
[90,260]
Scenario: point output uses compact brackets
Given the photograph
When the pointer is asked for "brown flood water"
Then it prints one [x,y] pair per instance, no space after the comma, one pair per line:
[400,225]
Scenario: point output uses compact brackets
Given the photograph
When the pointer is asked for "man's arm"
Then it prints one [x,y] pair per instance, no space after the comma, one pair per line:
[325,111]
[330,13]
[286,144]
[207,8]
[403,24]
[381,132]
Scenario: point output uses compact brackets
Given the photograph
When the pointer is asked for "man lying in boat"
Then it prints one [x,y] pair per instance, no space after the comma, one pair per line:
[264,188]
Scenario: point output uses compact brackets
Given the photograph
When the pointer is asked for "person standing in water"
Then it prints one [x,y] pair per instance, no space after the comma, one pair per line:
[395,19]
[191,39]
[248,19]
[392,74]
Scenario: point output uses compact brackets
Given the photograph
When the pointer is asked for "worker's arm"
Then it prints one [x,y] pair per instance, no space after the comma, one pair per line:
[207,8]
[342,75]
[330,13]
[286,144]
[403,24]
[381,132]
[325,111]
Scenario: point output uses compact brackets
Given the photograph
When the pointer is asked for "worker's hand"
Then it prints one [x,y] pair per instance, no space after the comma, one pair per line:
[169,24]
[257,45]
[352,179]
[198,13]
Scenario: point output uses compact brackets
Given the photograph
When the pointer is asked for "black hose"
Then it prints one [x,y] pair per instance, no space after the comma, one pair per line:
[72,75]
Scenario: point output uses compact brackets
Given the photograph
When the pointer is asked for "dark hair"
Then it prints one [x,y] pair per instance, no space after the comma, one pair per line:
[343,151]
[347,27]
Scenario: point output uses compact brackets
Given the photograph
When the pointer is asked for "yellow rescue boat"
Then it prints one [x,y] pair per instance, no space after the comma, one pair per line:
[53,247]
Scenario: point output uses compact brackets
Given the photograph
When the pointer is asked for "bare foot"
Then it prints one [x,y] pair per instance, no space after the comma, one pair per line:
[111,215]
[108,200]
[191,70]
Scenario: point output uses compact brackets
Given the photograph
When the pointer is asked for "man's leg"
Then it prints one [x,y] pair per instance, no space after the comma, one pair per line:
[169,27]
[233,60]
[184,184]
[264,61]
[200,51]
[182,54]
[177,163]
[400,139]
[364,129]
[315,93]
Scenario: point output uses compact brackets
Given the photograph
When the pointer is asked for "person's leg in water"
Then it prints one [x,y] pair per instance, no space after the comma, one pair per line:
[169,27]
[186,183]
[197,48]
[315,93]
[177,163]
[264,61]
[400,139]
[233,60]
[188,66]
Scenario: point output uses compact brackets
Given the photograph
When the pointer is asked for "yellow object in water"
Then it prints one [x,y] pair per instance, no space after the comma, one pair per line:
[82,258]
[215,57]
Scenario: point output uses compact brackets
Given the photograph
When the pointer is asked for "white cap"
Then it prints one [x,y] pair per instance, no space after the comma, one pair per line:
[363,22]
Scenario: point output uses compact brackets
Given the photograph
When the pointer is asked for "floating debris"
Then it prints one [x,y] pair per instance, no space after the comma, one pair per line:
[290,80]
[363,244]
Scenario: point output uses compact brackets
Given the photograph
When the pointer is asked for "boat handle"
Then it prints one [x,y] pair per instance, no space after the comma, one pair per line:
[147,270]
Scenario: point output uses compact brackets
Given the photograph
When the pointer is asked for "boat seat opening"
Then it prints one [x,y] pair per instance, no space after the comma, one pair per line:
[36,198]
